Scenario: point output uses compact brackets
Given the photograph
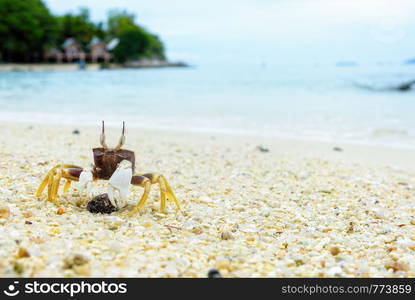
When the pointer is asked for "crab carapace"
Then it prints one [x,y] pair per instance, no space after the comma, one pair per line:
[114,164]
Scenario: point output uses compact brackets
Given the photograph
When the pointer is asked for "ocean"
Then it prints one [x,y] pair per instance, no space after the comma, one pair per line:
[328,102]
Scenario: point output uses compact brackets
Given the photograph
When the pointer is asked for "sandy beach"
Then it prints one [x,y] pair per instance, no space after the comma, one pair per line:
[45,67]
[294,209]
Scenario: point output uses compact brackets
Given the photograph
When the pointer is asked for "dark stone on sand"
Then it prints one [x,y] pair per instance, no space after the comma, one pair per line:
[338,149]
[101,204]
[262,149]
[76,131]
[213,273]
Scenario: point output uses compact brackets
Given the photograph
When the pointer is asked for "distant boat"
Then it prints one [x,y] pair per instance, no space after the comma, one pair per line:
[402,87]
[406,86]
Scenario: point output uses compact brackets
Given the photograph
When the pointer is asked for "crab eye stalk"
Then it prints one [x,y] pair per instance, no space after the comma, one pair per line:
[122,138]
[102,137]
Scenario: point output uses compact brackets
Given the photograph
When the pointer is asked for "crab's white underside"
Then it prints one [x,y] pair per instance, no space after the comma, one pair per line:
[118,184]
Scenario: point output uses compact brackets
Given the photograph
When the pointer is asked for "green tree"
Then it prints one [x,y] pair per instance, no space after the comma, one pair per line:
[78,26]
[120,21]
[134,41]
[155,47]
[26,29]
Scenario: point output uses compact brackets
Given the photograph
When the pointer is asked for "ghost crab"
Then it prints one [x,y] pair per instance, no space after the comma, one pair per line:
[116,165]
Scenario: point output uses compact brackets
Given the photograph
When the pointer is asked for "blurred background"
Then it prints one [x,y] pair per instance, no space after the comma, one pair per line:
[337,70]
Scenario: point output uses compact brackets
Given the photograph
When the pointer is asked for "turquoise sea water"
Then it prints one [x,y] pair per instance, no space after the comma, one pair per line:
[320,102]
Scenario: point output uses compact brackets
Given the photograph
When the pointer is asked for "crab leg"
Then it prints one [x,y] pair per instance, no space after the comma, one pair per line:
[50,185]
[53,177]
[55,187]
[45,181]
[67,185]
[170,194]
[163,188]
[146,180]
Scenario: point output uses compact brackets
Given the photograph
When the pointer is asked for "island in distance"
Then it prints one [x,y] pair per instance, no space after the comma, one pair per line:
[73,41]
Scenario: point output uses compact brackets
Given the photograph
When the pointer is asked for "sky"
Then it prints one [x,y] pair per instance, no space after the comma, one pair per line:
[248,31]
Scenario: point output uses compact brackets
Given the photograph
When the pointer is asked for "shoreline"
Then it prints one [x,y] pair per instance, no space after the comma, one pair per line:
[22,67]
[17,67]
[297,210]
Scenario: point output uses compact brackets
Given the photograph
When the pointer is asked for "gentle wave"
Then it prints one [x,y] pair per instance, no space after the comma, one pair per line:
[380,137]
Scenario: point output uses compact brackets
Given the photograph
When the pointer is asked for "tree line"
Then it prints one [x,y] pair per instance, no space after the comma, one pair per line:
[28,29]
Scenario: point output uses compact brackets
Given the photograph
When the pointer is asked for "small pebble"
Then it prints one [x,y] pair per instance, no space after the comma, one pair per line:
[334,251]
[350,228]
[262,149]
[4,212]
[23,253]
[226,235]
[18,267]
[213,273]
[74,260]
[197,230]
[76,131]
[396,266]
[337,149]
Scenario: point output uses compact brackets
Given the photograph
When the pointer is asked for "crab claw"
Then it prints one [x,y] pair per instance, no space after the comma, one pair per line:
[119,184]
[85,179]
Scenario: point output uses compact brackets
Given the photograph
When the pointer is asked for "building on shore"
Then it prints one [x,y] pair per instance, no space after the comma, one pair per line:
[53,55]
[98,51]
[72,51]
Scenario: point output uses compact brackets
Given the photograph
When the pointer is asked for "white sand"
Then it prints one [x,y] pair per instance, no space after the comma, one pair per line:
[300,209]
